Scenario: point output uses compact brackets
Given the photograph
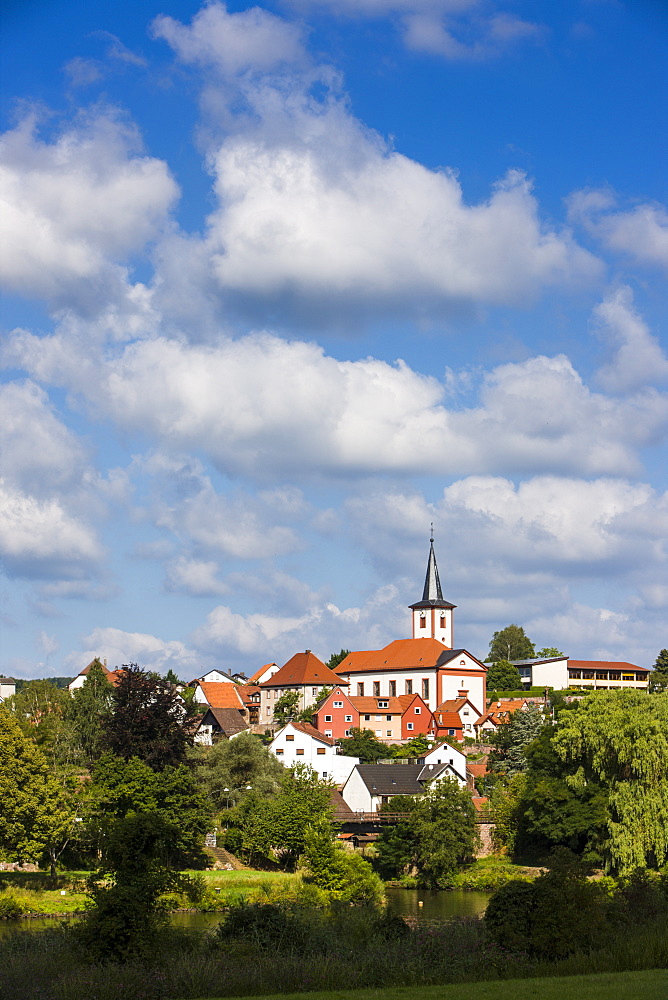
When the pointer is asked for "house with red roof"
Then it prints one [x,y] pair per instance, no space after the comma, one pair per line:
[113,676]
[303,673]
[391,719]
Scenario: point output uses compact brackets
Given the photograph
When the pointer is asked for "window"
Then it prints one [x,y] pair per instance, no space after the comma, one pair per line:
[314,692]
[328,732]
[376,688]
[465,712]
[409,725]
[338,704]
[379,732]
[418,711]
[628,677]
[423,621]
[360,690]
[347,732]
[379,718]
[348,718]
[328,718]
[442,621]
[383,704]
[388,732]
[451,732]
[324,774]
[321,750]
[393,689]
[409,687]
[279,751]
[300,753]
[388,718]
[367,718]
[425,688]
[290,736]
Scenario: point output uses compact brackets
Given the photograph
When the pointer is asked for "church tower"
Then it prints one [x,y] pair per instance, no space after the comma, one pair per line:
[432,616]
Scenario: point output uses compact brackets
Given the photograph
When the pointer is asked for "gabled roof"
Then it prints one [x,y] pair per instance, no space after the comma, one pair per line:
[309,730]
[432,596]
[391,779]
[402,654]
[303,668]
[605,665]
[229,720]
[455,705]
[447,720]
[476,770]
[246,692]
[255,679]
[220,694]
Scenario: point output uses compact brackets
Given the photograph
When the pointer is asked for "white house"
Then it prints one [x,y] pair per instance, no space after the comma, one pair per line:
[7,687]
[370,786]
[448,756]
[563,672]
[301,743]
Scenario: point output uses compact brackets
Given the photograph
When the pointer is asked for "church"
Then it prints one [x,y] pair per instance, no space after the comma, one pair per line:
[428,664]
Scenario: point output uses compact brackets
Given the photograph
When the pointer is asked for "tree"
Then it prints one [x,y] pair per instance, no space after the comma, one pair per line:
[230,766]
[503,676]
[123,787]
[363,743]
[88,706]
[37,816]
[139,865]
[40,709]
[444,833]
[307,713]
[337,658]
[286,707]
[145,720]
[279,825]
[415,747]
[658,679]
[510,643]
[548,651]
[511,740]
[619,739]
[341,874]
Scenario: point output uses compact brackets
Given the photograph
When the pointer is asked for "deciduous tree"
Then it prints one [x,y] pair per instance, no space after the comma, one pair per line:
[503,676]
[341,874]
[145,720]
[230,766]
[364,743]
[658,679]
[286,707]
[88,707]
[619,739]
[510,643]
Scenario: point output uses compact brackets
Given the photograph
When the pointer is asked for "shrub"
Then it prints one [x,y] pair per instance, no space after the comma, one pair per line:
[11,908]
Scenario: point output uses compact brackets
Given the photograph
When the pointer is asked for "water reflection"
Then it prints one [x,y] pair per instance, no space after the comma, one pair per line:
[403,902]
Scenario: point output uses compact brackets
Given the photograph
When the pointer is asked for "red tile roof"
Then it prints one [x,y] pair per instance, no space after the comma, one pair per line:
[221,694]
[605,665]
[309,730]
[303,668]
[258,673]
[397,655]
[447,720]
[476,770]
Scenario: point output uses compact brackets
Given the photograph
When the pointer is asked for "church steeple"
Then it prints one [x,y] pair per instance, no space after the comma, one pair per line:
[432,616]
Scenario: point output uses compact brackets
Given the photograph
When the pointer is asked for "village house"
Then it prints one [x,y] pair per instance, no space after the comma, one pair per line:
[111,675]
[7,687]
[263,673]
[370,786]
[498,713]
[219,723]
[426,664]
[456,717]
[303,673]
[301,743]
[390,719]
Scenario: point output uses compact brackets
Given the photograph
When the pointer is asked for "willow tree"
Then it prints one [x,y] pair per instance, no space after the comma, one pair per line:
[620,740]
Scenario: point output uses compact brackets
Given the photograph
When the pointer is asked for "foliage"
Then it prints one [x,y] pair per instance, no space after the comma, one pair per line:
[503,676]
[619,739]
[40,708]
[88,706]
[510,643]
[658,679]
[554,916]
[145,720]
[286,707]
[417,746]
[549,651]
[337,658]
[364,743]
[307,713]
[511,740]
[137,869]
[439,835]
[38,813]
[121,788]
[11,908]
[340,874]
[230,766]
[489,874]
[279,825]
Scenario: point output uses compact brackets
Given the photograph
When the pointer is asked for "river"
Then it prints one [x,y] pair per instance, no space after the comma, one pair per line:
[404,902]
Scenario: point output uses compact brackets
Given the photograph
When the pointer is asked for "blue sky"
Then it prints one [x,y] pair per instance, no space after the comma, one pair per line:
[285,284]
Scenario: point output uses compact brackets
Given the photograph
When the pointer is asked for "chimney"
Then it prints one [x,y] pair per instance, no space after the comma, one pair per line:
[462,693]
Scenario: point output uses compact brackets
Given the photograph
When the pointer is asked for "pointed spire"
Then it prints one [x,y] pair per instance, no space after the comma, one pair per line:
[432,585]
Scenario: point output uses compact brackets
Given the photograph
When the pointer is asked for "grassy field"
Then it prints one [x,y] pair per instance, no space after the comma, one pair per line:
[621,985]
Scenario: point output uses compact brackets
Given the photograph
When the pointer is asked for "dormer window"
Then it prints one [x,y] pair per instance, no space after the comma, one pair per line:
[383,704]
